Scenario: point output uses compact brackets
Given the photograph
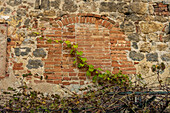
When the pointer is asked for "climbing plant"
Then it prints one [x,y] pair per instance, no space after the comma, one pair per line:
[98,74]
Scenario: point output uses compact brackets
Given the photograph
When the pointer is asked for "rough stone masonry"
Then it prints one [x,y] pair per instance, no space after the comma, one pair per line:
[127,35]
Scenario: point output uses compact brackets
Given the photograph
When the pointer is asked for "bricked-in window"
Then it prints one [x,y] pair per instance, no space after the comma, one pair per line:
[3,45]
[101,41]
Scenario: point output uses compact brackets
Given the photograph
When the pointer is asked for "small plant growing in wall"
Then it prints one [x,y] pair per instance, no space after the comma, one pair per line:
[159,69]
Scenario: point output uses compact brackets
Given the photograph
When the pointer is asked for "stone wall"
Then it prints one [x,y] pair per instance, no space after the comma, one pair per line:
[3,43]
[127,35]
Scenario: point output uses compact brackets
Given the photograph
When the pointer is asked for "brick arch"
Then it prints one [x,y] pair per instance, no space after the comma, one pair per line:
[78,28]
[86,18]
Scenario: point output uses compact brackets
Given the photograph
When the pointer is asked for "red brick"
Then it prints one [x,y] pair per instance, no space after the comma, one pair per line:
[43,46]
[115,65]
[54,77]
[90,20]
[66,21]
[107,24]
[50,63]
[82,19]
[93,20]
[60,23]
[66,78]
[63,22]
[65,83]
[18,64]
[98,16]
[58,32]
[104,23]
[116,32]
[125,62]
[74,83]
[120,48]
[74,19]
[118,52]
[86,20]
[82,78]
[18,68]
[55,28]
[74,78]
[40,42]
[57,81]
[162,5]
[50,81]
[71,26]
[53,35]
[72,74]
[115,71]
[38,81]
[70,20]
[128,68]
[129,72]
[77,19]
[81,74]
[110,26]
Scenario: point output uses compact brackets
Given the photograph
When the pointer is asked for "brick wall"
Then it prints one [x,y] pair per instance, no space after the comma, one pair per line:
[161,9]
[101,41]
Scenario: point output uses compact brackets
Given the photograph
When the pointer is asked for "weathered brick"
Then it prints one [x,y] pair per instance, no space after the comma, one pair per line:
[57,81]
[66,83]
[66,78]
[74,83]
[82,78]
[38,81]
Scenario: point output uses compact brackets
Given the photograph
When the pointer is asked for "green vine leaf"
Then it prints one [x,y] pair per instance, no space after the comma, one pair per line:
[108,72]
[75,46]
[67,42]
[37,33]
[80,65]
[95,78]
[88,73]
[91,69]
[49,40]
[69,45]
[75,62]
[100,75]
[91,66]
[83,59]
[41,38]
[99,69]
[71,51]
[79,53]
[61,41]
[56,41]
